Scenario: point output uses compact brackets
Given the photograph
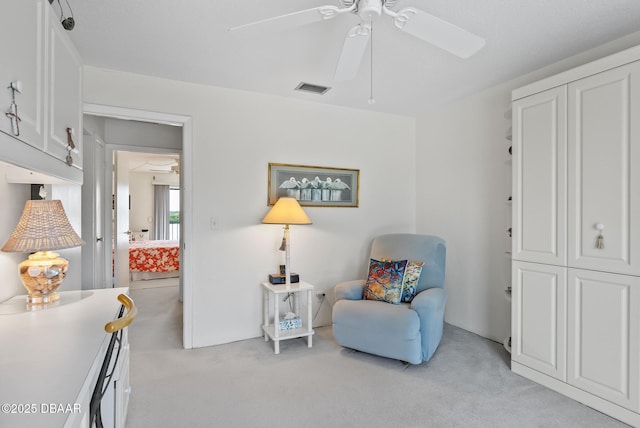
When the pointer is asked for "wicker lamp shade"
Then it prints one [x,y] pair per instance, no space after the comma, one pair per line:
[43,226]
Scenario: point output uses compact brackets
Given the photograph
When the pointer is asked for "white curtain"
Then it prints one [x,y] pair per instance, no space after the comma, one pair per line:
[161,212]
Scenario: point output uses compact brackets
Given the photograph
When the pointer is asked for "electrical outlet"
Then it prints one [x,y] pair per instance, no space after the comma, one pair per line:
[321,295]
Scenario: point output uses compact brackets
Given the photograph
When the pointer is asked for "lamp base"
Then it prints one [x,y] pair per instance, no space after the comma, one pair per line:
[41,274]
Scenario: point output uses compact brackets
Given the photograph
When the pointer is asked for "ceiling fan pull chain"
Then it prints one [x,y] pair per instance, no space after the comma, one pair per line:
[371,99]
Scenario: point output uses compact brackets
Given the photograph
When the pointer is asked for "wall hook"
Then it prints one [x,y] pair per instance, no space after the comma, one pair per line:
[12,114]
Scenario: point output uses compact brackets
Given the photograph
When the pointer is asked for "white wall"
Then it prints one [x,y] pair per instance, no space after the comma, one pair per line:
[235,135]
[13,197]
[462,184]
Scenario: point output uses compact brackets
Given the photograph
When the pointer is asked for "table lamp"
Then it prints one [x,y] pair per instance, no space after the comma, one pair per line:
[43,227]
[286,211]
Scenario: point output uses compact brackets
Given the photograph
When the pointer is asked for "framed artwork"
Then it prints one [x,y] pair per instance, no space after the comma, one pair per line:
[314,186]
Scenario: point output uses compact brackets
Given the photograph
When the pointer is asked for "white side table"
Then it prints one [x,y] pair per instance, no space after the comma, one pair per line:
[273,330]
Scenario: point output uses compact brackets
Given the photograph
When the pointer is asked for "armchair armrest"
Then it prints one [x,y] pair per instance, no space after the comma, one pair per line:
[431,299]
[429,305]
[349,290]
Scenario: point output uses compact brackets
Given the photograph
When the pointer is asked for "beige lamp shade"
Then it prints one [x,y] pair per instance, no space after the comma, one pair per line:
[43,226]
[286,211]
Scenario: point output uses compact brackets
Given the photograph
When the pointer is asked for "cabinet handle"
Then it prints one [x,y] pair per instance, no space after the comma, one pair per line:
[128,317]
[98,239]
[600,239]
[12,114]
[70,146]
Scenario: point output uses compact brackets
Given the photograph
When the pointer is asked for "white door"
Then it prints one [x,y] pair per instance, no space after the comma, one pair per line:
[99,270]
[23,60]
[604,171]
[121,220]
[604,335]
[64,95]
[539,317]
[93,226]
[539,177]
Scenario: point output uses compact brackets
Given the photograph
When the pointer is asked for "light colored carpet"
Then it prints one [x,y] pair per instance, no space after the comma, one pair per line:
[244,384]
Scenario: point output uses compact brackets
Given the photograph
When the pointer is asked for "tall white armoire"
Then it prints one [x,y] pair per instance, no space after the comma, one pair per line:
[576,234]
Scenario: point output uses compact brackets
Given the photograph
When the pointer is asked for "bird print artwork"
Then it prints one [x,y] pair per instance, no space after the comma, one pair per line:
[317,189]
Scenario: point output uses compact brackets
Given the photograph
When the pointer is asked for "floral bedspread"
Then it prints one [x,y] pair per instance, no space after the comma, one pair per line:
[154,256]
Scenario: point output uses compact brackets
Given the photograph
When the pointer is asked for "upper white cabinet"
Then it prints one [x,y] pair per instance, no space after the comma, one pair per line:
[23,61]
[41,56]
[604,171]
[539,177]
[64,95]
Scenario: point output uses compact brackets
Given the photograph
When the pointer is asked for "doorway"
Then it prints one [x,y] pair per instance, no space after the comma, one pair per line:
[146,216]
[186,196]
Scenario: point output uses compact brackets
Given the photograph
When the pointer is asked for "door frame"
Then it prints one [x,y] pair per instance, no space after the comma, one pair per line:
[186,177]
[110,151]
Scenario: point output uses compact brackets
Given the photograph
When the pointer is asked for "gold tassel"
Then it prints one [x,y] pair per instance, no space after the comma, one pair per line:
[600,242]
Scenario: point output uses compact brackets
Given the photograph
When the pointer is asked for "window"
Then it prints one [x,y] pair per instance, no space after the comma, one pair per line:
[174,214]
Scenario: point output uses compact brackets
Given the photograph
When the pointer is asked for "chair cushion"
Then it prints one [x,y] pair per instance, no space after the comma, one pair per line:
[392,331]
[411,277]
[385,281]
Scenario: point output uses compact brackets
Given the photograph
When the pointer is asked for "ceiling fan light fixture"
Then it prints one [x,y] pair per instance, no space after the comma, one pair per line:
[314,89]
[368,10]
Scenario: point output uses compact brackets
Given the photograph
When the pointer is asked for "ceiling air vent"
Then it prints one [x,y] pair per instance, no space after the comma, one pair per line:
[315,89]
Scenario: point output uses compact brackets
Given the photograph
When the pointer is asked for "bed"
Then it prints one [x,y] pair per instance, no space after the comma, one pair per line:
[154,259]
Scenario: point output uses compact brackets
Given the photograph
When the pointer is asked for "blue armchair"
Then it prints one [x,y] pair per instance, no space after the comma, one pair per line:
[408,332]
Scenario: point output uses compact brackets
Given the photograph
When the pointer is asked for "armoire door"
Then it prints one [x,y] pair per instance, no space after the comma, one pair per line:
[538,318]
[64,95]
[604,171]
[539,177]
[23,59]
[604,335]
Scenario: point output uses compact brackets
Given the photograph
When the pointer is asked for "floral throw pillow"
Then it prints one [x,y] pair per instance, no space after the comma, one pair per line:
[411,277]
[385,281]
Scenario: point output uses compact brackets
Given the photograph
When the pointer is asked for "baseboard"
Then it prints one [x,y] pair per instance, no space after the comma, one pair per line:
[625,415]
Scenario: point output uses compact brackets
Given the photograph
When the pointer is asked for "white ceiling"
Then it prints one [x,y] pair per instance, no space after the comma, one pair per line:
[156,163]
[188,40]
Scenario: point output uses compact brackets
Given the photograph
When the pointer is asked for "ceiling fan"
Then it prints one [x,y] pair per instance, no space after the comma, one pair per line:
[415,22]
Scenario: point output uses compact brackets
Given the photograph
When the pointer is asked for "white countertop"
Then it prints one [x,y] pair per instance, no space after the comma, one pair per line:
[46,355]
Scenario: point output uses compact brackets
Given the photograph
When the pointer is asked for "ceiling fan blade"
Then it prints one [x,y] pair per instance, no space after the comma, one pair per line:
[436,31]
[291,20]
[355,45]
